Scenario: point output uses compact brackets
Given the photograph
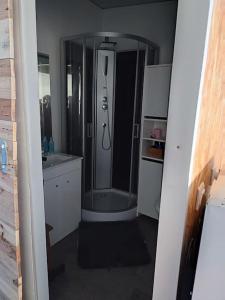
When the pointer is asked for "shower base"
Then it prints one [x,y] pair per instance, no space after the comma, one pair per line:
[109,205]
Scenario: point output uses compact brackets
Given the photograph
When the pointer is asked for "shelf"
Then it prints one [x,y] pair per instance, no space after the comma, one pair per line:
[152,158]
[149,127]
[155,119]
[159,66]
[153,139]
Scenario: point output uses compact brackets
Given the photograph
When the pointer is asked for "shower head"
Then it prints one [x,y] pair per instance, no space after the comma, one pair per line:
[107,44]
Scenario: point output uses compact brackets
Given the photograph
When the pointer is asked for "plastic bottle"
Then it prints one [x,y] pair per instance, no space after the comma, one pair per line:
[45,145]
[51,145]
[4,158]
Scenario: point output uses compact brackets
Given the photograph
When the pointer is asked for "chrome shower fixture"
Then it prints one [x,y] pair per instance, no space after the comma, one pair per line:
[104,106]
[107,44]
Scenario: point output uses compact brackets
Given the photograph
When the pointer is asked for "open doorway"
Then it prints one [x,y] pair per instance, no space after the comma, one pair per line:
[104,76]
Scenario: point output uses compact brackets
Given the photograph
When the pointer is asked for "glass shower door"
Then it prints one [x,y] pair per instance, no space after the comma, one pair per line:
[72,134]
[133,188]
[78,110]
[88,124]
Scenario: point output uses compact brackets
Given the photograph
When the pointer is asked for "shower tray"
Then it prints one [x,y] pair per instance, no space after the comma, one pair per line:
[109,205]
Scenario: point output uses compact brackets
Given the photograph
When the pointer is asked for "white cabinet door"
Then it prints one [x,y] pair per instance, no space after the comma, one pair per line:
[156,90]
[63,204]
[53,207]
[71,199]
[149,189]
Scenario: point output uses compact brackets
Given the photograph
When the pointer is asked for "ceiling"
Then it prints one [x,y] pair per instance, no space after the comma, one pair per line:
[104,4]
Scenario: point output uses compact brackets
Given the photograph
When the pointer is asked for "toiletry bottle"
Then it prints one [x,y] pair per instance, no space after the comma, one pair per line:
[45,145]
[51,145]
[4,158]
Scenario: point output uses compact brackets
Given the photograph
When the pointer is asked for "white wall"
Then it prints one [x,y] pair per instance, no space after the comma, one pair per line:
[187,73]
[155,22]
[56,19]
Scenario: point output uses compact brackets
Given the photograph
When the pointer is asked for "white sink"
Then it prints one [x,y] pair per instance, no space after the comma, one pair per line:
[56,159]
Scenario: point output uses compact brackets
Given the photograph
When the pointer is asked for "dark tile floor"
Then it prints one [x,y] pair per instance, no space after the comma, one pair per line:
[128,283]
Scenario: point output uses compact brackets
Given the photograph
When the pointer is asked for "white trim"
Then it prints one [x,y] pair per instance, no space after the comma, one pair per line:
[30,159]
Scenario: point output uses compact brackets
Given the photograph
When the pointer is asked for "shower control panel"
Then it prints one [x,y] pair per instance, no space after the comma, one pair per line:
[104,106]
[104,117]
[105,103]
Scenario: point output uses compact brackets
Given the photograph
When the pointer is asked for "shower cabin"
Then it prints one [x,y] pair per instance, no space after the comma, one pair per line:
[101,114]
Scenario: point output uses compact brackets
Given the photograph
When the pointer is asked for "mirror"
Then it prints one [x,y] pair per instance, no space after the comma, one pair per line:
[45,96]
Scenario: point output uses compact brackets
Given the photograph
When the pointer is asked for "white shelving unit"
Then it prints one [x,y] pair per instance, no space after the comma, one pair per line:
[153,138]
[149,141]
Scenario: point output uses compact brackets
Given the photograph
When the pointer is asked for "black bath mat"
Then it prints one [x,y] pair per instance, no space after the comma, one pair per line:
[111,244]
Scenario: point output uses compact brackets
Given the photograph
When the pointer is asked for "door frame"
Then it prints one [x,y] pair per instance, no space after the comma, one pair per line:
[30,177]
[189,62]
[178,150]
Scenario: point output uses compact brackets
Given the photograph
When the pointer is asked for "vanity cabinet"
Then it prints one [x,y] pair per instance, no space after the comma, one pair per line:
[62,191]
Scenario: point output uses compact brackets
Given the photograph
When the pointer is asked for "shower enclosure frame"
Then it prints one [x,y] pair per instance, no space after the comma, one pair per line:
[93,215]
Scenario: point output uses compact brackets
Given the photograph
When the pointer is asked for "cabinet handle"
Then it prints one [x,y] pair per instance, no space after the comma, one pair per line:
[136,131]
[89,130]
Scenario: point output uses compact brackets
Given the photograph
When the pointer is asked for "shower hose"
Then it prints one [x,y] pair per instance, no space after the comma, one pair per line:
[104,146]
[106,126]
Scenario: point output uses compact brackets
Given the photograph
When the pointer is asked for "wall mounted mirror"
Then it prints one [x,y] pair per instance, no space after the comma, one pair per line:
[45,95]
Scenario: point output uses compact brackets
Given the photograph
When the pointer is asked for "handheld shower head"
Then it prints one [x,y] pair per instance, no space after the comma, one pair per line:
[106,65]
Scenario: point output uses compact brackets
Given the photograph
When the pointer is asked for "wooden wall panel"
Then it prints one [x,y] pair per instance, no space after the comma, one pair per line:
[210,144]
[7,79]
[10,271]
[6,10]
[6,43]
[7,109]
[7,211]
[8,130]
